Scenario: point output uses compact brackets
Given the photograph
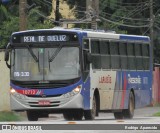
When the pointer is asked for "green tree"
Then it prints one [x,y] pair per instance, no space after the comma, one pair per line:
[9,18]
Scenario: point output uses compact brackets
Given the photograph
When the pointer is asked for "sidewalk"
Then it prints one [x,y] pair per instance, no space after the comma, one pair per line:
[146,111]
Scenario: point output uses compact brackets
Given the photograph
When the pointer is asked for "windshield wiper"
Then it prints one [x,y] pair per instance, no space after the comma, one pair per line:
[33,55]
[50,59]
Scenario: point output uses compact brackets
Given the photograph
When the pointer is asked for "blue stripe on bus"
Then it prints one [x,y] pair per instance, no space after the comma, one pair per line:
[51,91]
[134,38]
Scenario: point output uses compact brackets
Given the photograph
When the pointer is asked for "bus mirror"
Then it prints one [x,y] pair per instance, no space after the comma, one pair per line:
[6,57]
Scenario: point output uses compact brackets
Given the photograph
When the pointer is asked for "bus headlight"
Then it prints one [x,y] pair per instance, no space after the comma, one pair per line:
[16,94]
[73,92]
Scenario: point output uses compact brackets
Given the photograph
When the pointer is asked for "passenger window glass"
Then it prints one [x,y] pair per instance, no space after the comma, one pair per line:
[130,49]
[104,47]
[114,48]
[123,48]
[138,49]
[145,48]
[95,49]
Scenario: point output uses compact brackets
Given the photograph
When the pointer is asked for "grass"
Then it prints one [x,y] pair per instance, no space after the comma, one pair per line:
[9,116]
[157,114]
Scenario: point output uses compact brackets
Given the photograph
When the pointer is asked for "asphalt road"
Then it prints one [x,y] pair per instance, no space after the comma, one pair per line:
[143,119]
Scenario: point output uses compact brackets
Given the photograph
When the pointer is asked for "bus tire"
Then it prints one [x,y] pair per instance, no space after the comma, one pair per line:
[129,113]
[118,115]
[78,114]
[68,115]
[32,115]
[90,114]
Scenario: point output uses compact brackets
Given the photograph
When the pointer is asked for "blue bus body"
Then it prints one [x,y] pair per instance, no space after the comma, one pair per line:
[111,87]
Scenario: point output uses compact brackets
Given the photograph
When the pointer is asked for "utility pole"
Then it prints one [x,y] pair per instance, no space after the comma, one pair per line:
[151,27]
[22,15]
[57,13]
[93,10]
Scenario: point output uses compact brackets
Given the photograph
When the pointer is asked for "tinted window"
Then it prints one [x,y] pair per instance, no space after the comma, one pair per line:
[146,63]
[138,49]
[145,48]
[139,63]
[131,63]
[130,49]
[124,63]
[115,62]
[96,61]
[95,49]
[106,61]
[114,48]
[123,49]
[104,47]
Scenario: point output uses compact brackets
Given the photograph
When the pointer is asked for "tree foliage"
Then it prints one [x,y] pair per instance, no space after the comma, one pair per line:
[9,18]
[127,16]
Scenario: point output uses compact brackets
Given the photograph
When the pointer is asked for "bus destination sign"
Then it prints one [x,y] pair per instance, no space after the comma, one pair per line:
[53,38]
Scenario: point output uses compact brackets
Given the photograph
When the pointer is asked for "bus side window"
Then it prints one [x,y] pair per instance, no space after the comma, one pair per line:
[115,59]
[146,55]
[105,55]
[138,54]
[96,58]
[131,56]
[123,55]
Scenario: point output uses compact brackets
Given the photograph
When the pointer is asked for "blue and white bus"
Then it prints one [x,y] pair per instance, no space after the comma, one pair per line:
[78,73]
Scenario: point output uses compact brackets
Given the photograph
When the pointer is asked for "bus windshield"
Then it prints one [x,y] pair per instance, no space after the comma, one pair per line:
[53,64]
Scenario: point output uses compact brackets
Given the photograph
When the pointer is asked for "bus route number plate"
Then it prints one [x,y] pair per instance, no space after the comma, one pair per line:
[44,102]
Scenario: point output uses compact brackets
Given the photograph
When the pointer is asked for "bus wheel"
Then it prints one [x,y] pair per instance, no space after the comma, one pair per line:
[32,115]
[118,115]
[68,115]
[78,114]
[129,113]
[90,114]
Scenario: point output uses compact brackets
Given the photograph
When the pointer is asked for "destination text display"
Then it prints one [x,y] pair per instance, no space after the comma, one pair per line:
[53,38]
[46,38]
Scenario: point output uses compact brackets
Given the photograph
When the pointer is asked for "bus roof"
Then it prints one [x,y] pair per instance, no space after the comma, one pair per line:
[95,34]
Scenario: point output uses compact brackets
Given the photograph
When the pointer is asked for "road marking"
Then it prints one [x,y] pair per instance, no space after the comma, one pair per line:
[72,122]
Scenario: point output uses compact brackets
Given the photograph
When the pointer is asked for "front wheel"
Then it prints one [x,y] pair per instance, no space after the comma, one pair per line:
[68,115]
[73,115]
[129,113]
[90,114]
[32,115]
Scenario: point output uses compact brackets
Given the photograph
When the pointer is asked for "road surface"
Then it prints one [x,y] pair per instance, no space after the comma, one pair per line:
[143,119]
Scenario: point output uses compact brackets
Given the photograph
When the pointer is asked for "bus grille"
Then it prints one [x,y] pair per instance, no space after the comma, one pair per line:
[52,104]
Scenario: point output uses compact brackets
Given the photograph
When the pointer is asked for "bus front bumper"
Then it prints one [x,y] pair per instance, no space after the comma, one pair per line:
[22,103]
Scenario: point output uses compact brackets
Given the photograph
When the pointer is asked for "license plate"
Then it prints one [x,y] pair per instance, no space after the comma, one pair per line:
[44,102]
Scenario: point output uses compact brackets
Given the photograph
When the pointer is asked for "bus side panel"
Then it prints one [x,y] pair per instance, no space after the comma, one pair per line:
[121,94]
[104,81]
[86,94]
[143,95]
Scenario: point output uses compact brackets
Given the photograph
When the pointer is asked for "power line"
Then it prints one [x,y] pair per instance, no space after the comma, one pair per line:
[138,19]
[126,25]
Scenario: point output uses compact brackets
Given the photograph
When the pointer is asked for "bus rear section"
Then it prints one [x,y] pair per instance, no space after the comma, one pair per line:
[120,72]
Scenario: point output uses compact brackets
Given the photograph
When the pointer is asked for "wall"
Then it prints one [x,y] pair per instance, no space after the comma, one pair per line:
[4,84]
[156,86]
